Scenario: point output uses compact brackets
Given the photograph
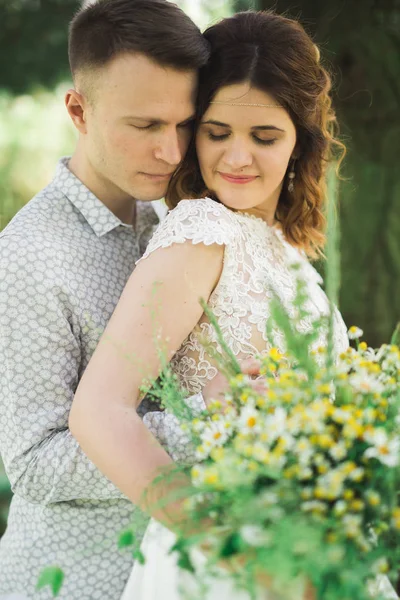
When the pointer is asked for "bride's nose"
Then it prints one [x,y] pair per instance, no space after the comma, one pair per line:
[237,155]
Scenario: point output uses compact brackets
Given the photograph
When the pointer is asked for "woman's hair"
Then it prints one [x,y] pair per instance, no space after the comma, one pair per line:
[274,54]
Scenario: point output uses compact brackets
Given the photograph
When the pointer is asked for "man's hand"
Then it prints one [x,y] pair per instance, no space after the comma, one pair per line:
[217,387]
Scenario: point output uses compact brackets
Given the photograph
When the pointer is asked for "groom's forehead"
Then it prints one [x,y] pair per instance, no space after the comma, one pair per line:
[164,97]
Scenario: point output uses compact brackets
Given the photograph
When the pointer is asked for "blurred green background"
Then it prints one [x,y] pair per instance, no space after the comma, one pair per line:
[360,42]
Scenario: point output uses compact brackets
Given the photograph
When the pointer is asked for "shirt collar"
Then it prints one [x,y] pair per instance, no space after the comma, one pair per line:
[99,217]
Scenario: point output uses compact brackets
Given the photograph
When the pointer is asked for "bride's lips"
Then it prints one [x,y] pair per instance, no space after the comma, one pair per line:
[237,178]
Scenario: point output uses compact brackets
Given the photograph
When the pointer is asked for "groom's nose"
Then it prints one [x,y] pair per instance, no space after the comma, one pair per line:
[169,148]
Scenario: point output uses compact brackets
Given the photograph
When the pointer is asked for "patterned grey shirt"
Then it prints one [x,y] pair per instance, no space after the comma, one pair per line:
[64,261]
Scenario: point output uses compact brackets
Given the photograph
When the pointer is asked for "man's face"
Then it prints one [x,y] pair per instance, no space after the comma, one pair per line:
[138,126]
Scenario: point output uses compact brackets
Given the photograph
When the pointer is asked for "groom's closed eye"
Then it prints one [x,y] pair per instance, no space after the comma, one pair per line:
[141,123]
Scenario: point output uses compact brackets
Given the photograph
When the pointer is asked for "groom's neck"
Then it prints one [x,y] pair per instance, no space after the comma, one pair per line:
[120,203]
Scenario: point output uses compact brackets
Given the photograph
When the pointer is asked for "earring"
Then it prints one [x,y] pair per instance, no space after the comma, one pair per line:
[291,176]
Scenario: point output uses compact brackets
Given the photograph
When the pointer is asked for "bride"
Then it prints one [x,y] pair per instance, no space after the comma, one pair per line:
[247,203]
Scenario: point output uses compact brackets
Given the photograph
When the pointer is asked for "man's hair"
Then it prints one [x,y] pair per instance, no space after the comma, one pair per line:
[156,28]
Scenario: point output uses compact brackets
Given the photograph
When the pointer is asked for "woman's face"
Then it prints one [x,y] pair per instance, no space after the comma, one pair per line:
[244,151]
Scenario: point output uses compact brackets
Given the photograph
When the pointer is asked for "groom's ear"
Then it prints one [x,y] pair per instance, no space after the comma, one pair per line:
[77,107]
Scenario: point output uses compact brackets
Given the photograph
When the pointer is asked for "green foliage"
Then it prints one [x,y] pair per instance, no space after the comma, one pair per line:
[33,43]
[5,496]
[29,148]
[52,577]
[396,336]
[126,539]
[139,556]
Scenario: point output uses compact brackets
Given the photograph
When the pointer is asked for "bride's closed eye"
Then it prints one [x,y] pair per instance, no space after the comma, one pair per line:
[216,138]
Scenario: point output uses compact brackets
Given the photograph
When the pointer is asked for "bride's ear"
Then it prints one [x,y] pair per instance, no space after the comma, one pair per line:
[77,106]
[296,153]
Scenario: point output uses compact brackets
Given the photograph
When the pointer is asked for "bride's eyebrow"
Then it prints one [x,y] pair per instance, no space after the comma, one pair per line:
[256,127]
[217,123]
[267,128]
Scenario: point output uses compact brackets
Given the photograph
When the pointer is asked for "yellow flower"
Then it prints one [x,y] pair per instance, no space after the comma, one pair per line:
[248,450]
[373,498]
[287,397]
[291,472]
[355,332]
[275,355]
[215,405]
[325,441]
[353,429]
[348,494]
[356,505]
[362,346]
[305,494]
[396,512]
[210,477]
[319,492]
[324,388]
[340,508]
[217,454]
[381,566]
[349,467]
[252,466]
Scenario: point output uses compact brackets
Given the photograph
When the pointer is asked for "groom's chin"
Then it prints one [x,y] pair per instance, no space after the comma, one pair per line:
[151,190]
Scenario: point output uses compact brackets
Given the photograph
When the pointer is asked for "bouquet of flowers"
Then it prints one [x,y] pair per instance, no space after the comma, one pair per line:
[300,483]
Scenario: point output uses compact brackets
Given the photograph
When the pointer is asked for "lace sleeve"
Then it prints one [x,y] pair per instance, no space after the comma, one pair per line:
[200,221]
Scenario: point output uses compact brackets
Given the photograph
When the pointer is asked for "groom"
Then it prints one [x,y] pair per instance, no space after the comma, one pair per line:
[64,261]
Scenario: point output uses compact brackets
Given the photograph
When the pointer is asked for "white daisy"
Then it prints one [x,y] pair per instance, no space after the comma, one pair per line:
[250,420]
[366,383]
[215,434]
[354,333]
[384,449]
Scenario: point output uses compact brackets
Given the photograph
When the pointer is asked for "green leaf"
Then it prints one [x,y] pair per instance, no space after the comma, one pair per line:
[232,545]
[126,539]
[53,577]
[181,547]
[396,336]
[184,562]
[139,556]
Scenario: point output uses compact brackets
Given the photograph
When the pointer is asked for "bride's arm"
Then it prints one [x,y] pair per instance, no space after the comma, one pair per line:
[161,299]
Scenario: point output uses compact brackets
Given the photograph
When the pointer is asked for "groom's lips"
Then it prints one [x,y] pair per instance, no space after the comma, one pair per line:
[158,176]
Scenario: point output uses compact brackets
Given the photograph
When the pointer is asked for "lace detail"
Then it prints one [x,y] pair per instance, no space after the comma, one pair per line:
[201,221]
[257,264]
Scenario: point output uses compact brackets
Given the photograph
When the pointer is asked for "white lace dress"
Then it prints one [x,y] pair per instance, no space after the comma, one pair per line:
[257,263]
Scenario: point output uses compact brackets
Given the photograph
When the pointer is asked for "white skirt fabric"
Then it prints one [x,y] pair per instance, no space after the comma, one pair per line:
[160,578]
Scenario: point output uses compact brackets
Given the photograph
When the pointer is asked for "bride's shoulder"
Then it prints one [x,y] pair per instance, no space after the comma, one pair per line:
[203,220]
[205,208]
[199,221]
